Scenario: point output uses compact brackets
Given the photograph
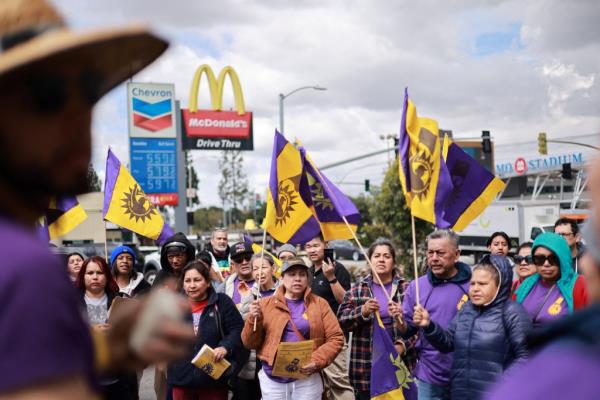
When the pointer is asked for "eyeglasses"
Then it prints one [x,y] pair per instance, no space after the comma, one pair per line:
[241,258]
[540,260]
[521,259]
[565,234]
[50,93]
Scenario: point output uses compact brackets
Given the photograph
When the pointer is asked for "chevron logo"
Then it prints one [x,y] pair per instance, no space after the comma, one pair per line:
[152,116]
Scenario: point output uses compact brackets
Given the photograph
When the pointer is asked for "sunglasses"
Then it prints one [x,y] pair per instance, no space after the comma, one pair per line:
[540,260]
[241,258]
[520,259]
[50,93]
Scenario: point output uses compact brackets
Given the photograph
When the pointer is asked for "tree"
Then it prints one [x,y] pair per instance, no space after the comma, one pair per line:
[191,179]
[206,219]
[94,182]
[391,218]
[233,186]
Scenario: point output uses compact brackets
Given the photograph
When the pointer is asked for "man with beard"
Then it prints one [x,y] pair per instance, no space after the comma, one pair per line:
[218,249]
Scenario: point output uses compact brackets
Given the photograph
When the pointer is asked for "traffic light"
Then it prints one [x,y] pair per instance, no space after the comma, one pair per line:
[367,185]
[542,143]
[396,144]
[567,172]
[486,142]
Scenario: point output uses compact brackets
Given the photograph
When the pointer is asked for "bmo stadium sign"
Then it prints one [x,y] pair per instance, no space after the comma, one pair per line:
[217,129]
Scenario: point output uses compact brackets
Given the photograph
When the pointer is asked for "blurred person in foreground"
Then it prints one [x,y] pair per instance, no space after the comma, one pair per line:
[566,363]
[51,77]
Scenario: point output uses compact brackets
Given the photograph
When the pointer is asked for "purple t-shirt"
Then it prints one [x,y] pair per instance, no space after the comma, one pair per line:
[554,307]
[43,334]
[382,299]
[443,302]
[298,315]
[237,297]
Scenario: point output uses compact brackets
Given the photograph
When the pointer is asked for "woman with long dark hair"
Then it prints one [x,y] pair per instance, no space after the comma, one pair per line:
[98,290]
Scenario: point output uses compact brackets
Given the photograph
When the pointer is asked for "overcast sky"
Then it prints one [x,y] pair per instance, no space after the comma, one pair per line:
[512,67]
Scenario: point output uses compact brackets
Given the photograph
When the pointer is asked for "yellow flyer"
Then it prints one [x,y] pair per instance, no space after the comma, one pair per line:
[291,356]
[205,361]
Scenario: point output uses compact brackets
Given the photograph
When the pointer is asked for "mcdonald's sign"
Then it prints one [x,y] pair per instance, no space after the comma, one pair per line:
[217,129]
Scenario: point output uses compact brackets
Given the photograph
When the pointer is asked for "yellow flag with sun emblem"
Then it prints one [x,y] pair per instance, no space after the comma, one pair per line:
[419,162]
[126,204]
[288,218]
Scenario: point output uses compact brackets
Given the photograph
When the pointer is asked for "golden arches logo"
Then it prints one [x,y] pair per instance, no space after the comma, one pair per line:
[215,87]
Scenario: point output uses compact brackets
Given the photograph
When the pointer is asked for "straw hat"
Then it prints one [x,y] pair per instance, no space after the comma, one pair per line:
[32,32]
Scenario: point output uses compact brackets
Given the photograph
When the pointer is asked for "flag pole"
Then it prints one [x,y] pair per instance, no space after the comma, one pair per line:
[414,242]
[105,242]
[262,256]
[362,249]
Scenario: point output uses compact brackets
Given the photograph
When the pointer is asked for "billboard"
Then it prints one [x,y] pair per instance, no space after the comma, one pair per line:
[154,167]
[217,129]
[151,110]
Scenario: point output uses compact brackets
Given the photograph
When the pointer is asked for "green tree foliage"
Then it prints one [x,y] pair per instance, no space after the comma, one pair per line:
[207,218]
[391,219]
[191,178]
[94,182]
[233,186]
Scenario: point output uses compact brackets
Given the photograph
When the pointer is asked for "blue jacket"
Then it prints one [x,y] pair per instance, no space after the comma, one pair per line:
[183,373]
[485,339]
[443,299]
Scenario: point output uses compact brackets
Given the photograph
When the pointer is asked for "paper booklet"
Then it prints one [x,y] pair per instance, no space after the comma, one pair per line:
[291,356]
[205,361]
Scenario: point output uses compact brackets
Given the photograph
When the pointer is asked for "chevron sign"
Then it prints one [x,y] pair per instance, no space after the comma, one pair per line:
[151,107]
[152,117]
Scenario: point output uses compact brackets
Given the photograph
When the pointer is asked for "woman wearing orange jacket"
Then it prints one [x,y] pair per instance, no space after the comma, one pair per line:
[293,314]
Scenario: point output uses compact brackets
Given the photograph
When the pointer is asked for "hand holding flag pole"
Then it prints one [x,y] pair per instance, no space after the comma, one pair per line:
[331,193]
[260,274]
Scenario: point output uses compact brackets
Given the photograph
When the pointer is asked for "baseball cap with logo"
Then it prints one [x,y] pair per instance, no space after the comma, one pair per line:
[240,248]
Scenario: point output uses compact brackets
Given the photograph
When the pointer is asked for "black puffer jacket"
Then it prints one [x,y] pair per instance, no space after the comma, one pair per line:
[220,326]
[486,340]
[167,270]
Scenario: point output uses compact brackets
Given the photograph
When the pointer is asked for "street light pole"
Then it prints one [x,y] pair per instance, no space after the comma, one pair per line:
[282,97]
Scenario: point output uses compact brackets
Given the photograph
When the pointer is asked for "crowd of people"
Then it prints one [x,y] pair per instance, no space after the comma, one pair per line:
[464,329]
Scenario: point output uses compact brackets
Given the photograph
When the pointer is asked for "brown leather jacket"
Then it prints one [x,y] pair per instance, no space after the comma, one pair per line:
[324,328]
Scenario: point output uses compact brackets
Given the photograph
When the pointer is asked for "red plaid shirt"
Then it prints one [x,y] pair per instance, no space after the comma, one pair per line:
[351,320]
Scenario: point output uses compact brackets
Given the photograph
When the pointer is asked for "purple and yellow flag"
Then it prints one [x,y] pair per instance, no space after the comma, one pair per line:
[302,202]
[390,379]
[473,188]
[126,205]
[62,216]
[419,163]
[329,204]
[288,218]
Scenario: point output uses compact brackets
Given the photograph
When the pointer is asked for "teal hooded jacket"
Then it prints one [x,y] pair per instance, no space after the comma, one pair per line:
[556,244]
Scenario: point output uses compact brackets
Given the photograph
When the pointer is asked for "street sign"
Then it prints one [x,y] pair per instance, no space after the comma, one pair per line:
[154,167]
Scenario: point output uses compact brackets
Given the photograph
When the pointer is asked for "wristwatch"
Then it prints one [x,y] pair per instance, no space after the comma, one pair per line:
[333,281]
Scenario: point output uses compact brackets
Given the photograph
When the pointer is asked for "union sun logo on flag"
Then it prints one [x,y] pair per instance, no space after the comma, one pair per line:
[286,199]
[137,205]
